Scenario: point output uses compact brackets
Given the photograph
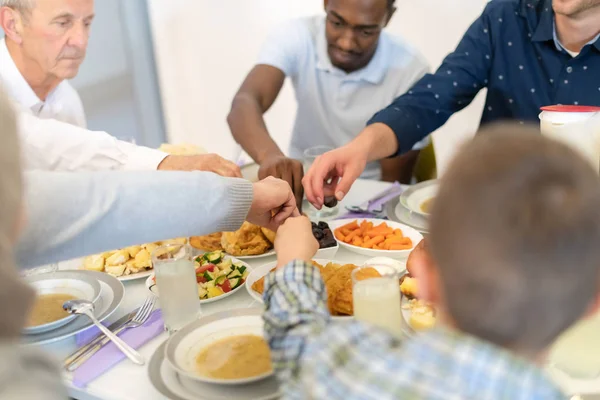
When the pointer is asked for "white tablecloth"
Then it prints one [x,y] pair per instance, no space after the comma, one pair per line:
[128,381]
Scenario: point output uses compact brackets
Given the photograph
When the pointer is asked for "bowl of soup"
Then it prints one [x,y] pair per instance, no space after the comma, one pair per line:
[51,292]
[230,350]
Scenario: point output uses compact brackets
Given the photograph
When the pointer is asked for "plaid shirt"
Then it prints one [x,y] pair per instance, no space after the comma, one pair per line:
[317,358]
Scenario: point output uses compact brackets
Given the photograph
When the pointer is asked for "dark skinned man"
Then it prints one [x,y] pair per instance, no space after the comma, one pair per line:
[343,67]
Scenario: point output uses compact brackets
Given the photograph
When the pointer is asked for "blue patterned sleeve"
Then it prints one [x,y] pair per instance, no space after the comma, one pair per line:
[434,98]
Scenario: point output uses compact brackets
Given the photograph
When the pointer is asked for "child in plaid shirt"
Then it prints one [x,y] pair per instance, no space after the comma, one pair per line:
[512,260]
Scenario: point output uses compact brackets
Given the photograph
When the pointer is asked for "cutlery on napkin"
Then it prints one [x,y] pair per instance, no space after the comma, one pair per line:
[110,355]
[376,203]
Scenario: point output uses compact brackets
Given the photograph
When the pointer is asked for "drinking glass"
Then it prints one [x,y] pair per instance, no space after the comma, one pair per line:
[377,299]
[176,282]
[310,155]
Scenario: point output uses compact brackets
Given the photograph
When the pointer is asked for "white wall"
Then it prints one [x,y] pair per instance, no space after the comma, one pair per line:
[204,49]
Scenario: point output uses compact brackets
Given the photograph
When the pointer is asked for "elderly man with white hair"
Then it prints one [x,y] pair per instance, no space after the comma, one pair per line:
[45,44]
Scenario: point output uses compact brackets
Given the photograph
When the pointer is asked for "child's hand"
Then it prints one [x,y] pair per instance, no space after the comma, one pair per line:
[295,241]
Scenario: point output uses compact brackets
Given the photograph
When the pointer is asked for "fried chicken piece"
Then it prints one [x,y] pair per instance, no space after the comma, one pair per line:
[247,241]
[210,242]
[269,234]
[341,280]
[259,285]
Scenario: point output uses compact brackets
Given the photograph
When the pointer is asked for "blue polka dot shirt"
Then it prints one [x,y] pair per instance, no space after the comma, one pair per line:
[513,51]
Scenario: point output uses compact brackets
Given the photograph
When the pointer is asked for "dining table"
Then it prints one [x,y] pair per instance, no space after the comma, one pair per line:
[128,381]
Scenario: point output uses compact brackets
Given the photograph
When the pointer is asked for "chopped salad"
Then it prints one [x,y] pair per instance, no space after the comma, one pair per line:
[217,275]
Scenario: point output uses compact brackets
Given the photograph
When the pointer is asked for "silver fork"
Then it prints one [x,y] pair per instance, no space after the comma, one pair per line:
[139,319]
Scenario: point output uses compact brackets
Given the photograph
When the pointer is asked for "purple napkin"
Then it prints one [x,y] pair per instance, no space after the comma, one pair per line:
[377,204]
[110,355]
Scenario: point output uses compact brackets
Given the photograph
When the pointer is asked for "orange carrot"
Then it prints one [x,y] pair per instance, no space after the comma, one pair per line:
[374,241]
[380,231]
[352,235]
[351,225]
[400,247]
[339,235]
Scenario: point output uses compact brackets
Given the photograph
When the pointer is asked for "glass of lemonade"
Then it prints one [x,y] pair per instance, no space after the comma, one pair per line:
[377,299]
[310,155]
[176,282]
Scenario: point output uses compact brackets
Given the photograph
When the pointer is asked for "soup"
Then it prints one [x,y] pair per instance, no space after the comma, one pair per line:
[426,205]
[48,308]
[236,357]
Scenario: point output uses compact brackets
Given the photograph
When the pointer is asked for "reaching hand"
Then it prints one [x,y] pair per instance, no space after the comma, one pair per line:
[295,241]
[285,168]
[333,173]
[272,204]
[202,162]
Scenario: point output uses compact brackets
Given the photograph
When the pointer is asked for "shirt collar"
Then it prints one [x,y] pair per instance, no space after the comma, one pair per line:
[545,19]
[481,367]
[595,41]
[546,28]
[373,73]
[18,87]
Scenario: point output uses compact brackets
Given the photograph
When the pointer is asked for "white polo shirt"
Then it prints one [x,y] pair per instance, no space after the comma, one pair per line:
[334,106]
[53,132]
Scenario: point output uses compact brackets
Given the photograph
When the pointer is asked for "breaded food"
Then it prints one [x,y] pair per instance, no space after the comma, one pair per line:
[210,242]
[259,285]
[269,234]
[247,241]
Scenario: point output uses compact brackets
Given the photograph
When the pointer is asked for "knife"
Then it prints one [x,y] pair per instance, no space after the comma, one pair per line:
[114,327]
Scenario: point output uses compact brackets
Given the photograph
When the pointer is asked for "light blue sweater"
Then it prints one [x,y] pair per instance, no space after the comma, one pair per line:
[73,214]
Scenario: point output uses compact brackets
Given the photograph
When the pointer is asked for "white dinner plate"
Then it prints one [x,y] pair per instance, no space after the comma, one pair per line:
[111,296]
[184,345]
[414,197]
[153,288]
[133,277]
[80,286]
[270,253]
[397,212]
[407,231]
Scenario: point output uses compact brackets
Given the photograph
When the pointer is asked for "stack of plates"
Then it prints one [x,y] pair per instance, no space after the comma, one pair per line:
[171,367]
[408,208]
[105,291]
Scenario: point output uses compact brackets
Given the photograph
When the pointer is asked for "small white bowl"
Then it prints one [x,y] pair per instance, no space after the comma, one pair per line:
[80,287]
[414,235]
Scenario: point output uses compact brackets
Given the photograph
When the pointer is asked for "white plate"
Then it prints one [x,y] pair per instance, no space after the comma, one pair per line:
[398,213]
[269,253]
[412,233]
[79,286]
[111,295]
[184,346]
[133,277]
[417,194]
[406,314]
[151,285]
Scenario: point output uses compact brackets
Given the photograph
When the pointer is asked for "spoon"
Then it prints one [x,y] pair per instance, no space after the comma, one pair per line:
[87,308]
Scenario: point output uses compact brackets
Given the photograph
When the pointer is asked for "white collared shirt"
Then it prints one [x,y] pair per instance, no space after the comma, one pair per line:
[334,106]
[53,132]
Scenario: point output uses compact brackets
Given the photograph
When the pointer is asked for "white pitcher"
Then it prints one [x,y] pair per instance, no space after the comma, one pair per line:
[577,126]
